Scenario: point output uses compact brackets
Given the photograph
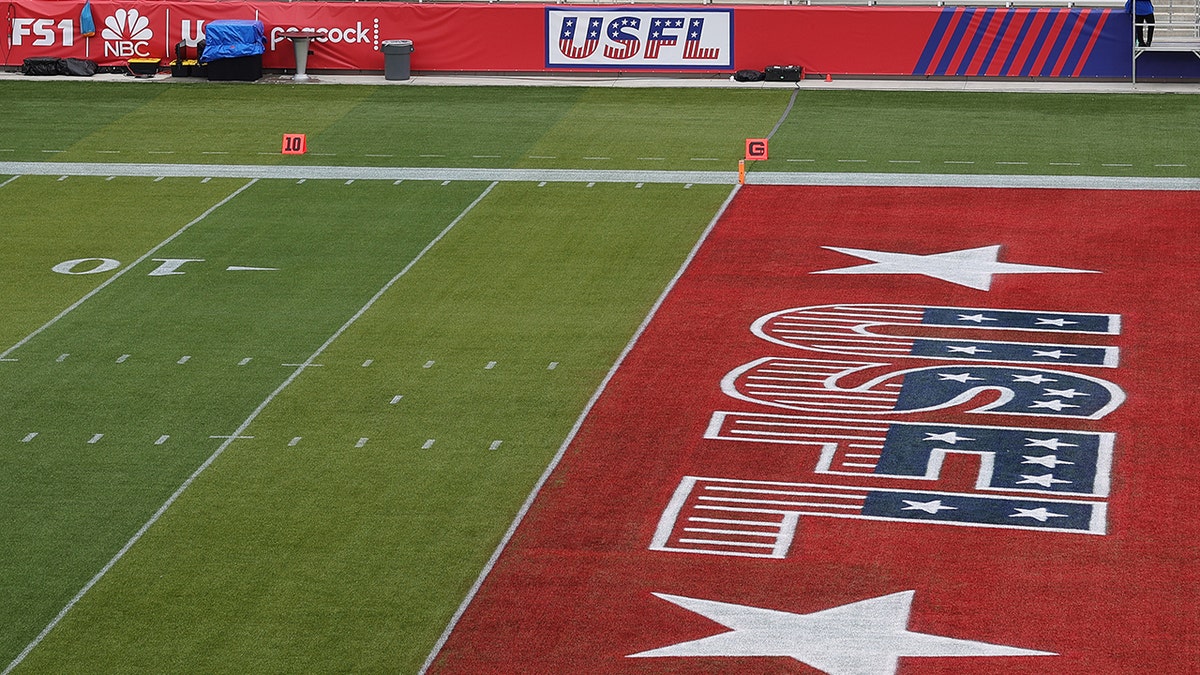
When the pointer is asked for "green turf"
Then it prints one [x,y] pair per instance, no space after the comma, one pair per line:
[71,503]
[326,557]
[1006,133]
[48,221]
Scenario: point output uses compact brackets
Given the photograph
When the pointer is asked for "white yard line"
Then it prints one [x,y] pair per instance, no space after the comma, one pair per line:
[487,568]
[598,176]
[238,432]
[123,270]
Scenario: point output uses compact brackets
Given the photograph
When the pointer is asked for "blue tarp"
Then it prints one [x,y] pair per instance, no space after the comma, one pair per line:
[230,39]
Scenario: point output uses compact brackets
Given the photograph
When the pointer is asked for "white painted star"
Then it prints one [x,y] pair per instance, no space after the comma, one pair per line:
[967,350]
[1054,322]
[1055,405]
[928,507]
[1040,514]
[867,637]
[977,318]
[950,437]
[1050,443]
[1036,379]
[960,377]
[1048,461]
[1045,481]
[1054,354]
[971,267]
[1065,393]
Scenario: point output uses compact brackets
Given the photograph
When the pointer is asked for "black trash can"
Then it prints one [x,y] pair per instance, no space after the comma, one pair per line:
[397,59]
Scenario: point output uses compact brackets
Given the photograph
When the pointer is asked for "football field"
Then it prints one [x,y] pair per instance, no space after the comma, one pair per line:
[433,395]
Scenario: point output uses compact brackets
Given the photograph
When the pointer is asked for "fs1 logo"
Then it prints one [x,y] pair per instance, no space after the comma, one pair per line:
[625,38]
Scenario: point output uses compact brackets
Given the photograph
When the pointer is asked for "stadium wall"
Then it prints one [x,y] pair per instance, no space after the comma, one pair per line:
[839,40]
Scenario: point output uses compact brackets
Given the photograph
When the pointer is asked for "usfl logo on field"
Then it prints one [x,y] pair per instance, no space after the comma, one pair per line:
[625,38]
[851,409]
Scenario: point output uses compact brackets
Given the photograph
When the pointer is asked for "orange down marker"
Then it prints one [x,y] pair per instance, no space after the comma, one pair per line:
[294,144]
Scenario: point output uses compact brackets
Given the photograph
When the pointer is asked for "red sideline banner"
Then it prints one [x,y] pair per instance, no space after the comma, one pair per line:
[897,41]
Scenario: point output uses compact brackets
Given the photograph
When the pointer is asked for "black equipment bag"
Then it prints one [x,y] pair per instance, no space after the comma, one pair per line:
[748,76]
[79,67]
[784,73]
[42,65]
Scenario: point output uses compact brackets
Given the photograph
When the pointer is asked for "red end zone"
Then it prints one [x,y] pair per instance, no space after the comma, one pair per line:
[877,430]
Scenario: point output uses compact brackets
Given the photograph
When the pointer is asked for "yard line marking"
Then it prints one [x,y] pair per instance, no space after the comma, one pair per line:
[428,364]
[904,161]
[542,157]
[396,399]
[162,439]
[361,442]
[7,150]
[9,181]
[485,156]
[51,151]
[598,159]
[95,439]
[321,154]
[490,365]
[108,152]
[801,160]
[653,159]
[243,268]
[215,152]
[302,366]
[1177,165]
[853,161]
[706,159]
[1116,165]
[379,155]
[29,437]
[495,445]
[244,425]
[123,358]
[9,360]
[61,358]
[1013,163]
[428,444]
[1064,163]
[367,363]
[183,360]
[246,360]
[292,443]
[562,449]
[232,438]
[167,152]
[957,161]
[432,155]
[552,366]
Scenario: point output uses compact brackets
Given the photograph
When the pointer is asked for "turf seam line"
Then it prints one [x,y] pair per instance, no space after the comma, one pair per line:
[123,270]
[238,432]
[562,449]
[786,111]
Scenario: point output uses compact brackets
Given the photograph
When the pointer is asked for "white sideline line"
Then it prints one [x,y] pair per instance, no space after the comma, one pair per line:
[122,271]
[601,176]
[562,449]
[238,432]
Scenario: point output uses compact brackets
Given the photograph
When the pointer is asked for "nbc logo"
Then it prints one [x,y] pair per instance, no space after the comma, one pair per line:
[126,34]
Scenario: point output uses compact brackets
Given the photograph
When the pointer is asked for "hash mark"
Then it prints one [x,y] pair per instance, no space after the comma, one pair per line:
[29,437]
[956,161]
[206,179]
[397,182]
[639,185]
[490,365]
[61,358]
[428,444]
[396,399]
[123,358]
[95,439]
[160,178]
[432,155]
[445,183]
[687,186]
[542,184]
[349,181]
[552,366]
[1013,163]
[162,439]
[246,360]
[361,442]
[299,182]
[62,178]
[1116,165]
[183,360]
[495,445]
[1064,163]
[292,443]
[801,160]
[428,364]
[904,161]
[591,185]
[367,363]
[542,157]
[653,159]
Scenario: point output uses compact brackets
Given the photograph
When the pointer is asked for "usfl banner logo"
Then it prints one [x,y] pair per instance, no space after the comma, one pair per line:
[877,431]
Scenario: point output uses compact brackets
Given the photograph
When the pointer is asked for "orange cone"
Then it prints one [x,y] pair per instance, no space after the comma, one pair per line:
[828,77]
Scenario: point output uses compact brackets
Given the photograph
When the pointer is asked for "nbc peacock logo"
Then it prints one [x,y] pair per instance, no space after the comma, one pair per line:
[126,34]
